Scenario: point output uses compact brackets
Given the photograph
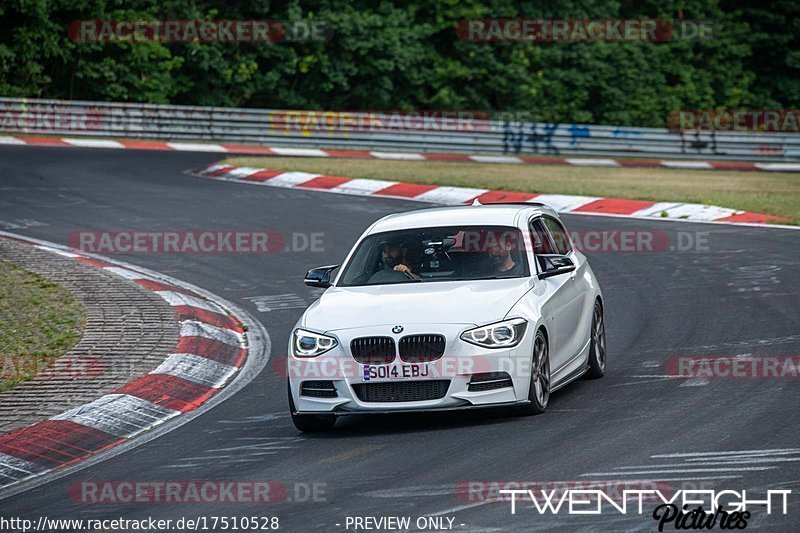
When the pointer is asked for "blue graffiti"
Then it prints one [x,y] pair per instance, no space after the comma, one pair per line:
[515,138]
[625,132]
[576,131]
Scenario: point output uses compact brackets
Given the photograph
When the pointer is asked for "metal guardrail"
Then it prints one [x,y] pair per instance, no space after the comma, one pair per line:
[474,136]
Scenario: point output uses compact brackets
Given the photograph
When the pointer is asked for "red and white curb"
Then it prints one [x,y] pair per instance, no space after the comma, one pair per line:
[212,348]
[241,149]
[563,203]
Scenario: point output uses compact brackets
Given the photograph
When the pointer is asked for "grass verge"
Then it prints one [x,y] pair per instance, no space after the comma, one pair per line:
[772,193]
[39,321]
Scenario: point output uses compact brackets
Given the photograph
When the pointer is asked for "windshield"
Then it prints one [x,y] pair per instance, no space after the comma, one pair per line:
[437,254]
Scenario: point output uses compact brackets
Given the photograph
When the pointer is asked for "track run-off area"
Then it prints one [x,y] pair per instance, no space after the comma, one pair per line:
[713,290]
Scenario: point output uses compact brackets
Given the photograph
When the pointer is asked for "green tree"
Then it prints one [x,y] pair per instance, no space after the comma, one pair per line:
[393,55]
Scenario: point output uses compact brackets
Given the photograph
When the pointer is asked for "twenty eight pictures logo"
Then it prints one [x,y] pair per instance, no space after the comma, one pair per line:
[685,508]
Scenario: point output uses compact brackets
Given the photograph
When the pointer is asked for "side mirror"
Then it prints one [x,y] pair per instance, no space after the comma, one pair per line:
[554,265]
[320,276]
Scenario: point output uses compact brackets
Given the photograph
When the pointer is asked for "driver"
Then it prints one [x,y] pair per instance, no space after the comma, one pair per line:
[395,257]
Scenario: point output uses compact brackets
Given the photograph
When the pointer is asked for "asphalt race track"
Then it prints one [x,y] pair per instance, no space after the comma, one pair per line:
[740,296]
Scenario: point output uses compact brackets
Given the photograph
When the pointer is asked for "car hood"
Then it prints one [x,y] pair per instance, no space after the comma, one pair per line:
[443,302]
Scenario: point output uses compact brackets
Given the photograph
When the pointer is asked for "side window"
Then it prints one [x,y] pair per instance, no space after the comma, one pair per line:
[559,235]
[540,238]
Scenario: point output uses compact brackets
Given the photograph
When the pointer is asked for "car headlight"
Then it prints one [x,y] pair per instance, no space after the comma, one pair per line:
[503,334]
[310,344]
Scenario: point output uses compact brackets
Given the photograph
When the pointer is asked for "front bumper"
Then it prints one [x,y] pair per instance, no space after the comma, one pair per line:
[468,407]
[459,364]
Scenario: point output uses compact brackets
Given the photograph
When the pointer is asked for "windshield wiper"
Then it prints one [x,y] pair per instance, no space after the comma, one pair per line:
[387,283]
[473,279]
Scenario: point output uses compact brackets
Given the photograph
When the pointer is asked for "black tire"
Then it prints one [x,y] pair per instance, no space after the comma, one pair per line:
[310,423]
[539,391]
[597,349]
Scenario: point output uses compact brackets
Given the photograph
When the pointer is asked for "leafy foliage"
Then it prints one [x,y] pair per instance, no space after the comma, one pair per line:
[406,55]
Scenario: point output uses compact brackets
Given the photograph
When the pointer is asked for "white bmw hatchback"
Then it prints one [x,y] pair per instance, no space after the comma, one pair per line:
[448,308]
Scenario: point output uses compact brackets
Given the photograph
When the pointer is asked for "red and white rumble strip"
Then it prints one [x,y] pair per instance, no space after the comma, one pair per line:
[564,203]
[211,349]
[409,156]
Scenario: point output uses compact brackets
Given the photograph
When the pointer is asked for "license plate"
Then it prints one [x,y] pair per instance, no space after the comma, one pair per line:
[389,372]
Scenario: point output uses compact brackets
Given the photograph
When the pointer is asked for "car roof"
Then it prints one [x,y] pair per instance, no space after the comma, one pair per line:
[480,215]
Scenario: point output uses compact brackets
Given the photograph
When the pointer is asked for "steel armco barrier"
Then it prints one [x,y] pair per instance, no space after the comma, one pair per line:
[283,128]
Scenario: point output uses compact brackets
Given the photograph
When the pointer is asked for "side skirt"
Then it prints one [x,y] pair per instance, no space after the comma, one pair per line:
[570,378]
